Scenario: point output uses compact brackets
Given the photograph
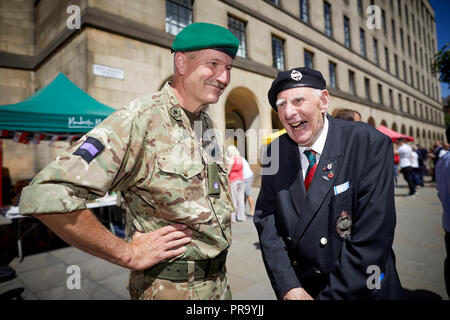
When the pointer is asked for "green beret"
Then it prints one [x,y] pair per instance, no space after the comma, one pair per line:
[200,35]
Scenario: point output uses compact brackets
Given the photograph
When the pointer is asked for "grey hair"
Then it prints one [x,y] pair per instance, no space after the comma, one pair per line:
[316,92]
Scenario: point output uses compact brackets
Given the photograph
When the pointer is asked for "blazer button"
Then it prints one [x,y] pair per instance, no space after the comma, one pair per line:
[294,263]
[289,239]
[323,241]
[317,271]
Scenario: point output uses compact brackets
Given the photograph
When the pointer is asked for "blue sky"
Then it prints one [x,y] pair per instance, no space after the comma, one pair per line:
[441,14]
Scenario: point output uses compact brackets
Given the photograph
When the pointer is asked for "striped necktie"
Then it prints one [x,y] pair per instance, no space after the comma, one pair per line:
[311,155]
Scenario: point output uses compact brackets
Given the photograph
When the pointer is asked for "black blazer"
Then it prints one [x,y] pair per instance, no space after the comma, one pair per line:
[304,238]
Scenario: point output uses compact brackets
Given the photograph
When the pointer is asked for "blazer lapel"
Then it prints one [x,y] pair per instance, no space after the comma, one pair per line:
[297,189]
[327,170]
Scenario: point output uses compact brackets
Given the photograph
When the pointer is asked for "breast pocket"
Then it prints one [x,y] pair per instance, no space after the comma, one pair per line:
[177,189]
[341,221]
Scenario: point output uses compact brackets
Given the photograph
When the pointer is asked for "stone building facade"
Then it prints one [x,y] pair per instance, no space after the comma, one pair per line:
[383,72]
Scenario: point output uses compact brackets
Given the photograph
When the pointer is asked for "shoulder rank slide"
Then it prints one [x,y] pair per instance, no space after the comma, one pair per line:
[89,149]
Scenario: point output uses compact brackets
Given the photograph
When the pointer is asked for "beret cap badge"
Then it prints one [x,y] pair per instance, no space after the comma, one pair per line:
[296,75]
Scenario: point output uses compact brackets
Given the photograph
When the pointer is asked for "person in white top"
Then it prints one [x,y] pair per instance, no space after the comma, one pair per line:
[406,158]
[444,150]
[248,179]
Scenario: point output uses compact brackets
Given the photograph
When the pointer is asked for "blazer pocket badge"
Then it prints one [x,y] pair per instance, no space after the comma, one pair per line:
[341,188]
[344,224]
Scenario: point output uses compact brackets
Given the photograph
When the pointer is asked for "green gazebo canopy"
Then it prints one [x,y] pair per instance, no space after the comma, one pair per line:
[60,107]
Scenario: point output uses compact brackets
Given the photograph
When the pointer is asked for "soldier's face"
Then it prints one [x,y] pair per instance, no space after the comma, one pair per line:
[207,75]
[301,112]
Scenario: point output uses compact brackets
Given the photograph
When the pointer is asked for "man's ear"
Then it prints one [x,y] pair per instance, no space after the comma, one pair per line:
[180,62]
[325,99]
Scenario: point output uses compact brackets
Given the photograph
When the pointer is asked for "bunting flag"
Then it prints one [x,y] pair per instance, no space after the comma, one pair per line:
[53,139]
[37,138]
[20,137]
[72,138]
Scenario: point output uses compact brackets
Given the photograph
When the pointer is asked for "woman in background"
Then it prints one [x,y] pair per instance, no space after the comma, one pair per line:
[237,184]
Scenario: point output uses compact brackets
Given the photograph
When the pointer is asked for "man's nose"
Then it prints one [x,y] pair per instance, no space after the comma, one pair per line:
[290,111]
[224,76]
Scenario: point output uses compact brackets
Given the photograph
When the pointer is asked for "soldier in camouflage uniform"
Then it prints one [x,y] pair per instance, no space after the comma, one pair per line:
[172,177]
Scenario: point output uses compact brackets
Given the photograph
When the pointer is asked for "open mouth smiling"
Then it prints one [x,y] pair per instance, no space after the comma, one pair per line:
[299,125]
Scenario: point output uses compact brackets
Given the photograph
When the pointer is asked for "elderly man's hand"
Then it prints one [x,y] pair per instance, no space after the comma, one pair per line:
[149,249]
[297,294]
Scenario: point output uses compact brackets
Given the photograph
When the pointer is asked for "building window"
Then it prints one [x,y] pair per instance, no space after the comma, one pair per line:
[380,94]
[415,107]
[409,46]
[419,30]
[327,16]
[396,65]
[367,88]
[332,69]
[404,71]
[178,15]
[375,51]
[386,56]
[406,15]
[237,27]
[401,39]
[415,52]
[351,82]
[278,53]
[275,2]
[408,108]
[394,38]
[400,102]
[347,32]
[304,10]
[383,19]
[411,73]
[421,57]
[360,6]
[362,40]
[391,99]
[308,56]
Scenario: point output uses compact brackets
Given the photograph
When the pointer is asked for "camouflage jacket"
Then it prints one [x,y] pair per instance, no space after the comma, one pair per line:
[152,157]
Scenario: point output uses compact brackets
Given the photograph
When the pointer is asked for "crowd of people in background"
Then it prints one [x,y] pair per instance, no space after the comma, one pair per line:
[414,162]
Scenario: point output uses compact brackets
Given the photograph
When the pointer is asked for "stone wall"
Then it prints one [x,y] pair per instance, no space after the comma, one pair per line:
[17,32]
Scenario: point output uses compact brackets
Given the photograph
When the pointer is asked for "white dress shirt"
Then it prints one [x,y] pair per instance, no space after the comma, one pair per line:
[317,146]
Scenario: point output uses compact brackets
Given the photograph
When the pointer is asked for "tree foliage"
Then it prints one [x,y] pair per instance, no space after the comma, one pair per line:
[441,64]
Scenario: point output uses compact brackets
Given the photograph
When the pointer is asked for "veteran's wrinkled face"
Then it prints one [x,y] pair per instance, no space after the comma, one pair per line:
[207,74]
[301,111]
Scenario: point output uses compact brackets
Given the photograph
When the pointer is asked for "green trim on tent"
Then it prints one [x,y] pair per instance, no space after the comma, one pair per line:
[59,107]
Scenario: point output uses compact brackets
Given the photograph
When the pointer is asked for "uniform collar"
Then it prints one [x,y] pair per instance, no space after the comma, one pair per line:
[319,144]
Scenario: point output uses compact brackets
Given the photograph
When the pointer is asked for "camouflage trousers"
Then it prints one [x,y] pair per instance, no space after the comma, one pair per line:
[142,287]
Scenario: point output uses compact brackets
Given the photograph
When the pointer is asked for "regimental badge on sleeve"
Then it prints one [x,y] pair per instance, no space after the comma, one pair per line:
[89,149]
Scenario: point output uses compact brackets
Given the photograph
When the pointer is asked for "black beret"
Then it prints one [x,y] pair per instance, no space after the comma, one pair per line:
[294,78]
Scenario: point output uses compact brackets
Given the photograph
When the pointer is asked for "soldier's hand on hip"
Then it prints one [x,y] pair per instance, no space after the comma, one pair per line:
[149,249]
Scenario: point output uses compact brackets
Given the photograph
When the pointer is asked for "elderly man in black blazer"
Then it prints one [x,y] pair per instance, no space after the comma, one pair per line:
[326,217]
